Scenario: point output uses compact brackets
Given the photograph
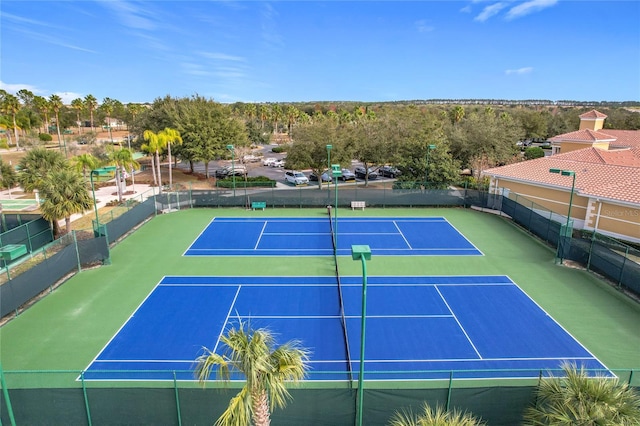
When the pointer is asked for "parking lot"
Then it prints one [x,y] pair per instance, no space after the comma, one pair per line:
[256,168]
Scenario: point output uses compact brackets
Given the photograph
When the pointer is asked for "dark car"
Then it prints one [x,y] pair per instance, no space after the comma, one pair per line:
[347,175]
[388,171]
[238,170]
[361,173]
[325,177]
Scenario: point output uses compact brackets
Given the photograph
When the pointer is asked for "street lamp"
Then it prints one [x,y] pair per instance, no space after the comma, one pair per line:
[328,165]
[336,172]
[233,167]
[98,172]
[362,253]
[567,231]
[426,173]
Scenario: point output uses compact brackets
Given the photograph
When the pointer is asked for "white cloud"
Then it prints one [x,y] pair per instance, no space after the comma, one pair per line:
[67,97]
[490,11]
[423,26]
[520,71]
[222,56]
[131,15]
[529,7]
[14,88]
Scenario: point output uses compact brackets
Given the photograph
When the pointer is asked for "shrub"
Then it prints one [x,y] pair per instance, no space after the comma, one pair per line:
[280,148]
[45,137]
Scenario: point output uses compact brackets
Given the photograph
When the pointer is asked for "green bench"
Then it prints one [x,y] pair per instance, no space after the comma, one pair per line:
[258,205]
[12,251]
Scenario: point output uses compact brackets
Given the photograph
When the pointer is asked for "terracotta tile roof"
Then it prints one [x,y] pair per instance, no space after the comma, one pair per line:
[585,135]
[624,138]
[593,114]
[598,174]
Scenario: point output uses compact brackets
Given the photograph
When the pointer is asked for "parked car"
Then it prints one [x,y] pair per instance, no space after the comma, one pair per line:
[347,175]
[325,177]
[250,158]
[268,161]
[389,171]
[278,163]
[237,170]
[361,173]
[296,178]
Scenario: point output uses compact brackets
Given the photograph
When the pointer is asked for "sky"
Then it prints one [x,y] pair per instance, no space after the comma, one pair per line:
[306,51]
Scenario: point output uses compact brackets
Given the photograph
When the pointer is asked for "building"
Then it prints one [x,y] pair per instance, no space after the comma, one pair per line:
[601,179]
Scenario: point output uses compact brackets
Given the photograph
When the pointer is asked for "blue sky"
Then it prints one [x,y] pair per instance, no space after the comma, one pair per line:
[289,51]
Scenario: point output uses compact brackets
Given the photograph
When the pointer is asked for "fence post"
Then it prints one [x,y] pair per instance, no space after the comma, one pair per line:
[449,389]
[175,387]
[86,399]
[75,243]
[624,262]
[7,400]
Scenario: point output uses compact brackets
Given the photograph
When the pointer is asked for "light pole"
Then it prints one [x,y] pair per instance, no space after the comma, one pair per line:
[328,165]
[336,172]
[573,186]
[233,167]
[98,172]
[362,253]
[426,173]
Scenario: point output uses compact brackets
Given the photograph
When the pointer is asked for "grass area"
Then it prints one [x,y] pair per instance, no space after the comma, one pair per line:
[67,329]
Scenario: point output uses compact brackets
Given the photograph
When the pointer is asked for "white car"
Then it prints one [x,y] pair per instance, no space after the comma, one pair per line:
[296,178]
[278,163]
[268,161]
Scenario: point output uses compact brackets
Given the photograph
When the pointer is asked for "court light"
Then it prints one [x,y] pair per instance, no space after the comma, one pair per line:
[329,147]
[336,172]
[98,172]
[362,253]
[426,173]
[233,167]
[566,227]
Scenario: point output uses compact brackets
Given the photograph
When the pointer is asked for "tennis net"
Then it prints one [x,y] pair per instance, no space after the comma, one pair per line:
[340,298]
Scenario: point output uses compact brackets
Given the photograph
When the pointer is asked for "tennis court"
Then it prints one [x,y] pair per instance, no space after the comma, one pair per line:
[406,236]
[418,327]
[19,204]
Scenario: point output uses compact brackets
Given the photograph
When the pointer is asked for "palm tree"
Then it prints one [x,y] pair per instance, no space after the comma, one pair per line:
[8,176]
[577,399]
[10,105]
[122,159]
[434,417]
[91,103]
[78,106]
[266,368]
[151,147]
[84,162]
[64,192]
[42,105]
[107,106]
[55,102]
[36,166]
[169,135]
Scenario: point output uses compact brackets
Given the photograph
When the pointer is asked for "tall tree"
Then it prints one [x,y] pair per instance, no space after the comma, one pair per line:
[91,103]
[276,115]
[267,369]
[78,106]
[153,147]
[107,107]
[9,104]
[56,104]
[8,176]
[43,107]
[168,136]
[85,162]
[122,158]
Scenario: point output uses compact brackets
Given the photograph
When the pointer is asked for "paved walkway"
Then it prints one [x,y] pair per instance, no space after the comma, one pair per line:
[103,196]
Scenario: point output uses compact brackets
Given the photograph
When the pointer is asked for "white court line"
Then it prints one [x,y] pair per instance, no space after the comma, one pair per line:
[227,318]
[460,325]
[402,235]
[261,234]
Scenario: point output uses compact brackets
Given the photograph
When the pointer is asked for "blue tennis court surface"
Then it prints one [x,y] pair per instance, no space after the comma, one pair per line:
[418,327]
[312,237]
